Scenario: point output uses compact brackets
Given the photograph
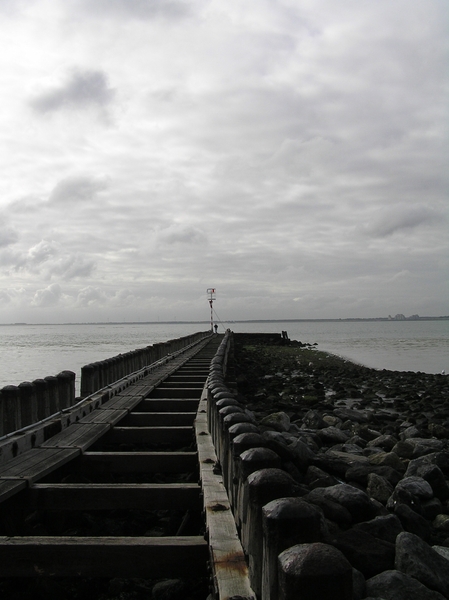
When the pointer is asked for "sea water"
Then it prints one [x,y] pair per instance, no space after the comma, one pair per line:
[29,352]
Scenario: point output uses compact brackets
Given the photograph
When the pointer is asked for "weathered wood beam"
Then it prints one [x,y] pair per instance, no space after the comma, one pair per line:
[140,462]
[146,557]
[97,496]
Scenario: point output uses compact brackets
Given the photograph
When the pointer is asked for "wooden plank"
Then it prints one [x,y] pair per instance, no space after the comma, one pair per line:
[144,557]
[99,496]
[150,435]
[78,436]
[229,567]
[167,392]
[125,402]
[177,376]
[141,462]
[168,419]
[37,463]
[11,487]
[182,383]
[168,405]
[105,415]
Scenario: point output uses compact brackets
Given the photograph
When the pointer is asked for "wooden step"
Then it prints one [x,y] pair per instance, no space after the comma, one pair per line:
[159,419]
[99,496]
[168,405]
[140,462]
[144,557]
[150,435]
[173,392]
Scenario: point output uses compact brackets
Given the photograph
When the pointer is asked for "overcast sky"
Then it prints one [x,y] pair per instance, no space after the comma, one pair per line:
[293,154]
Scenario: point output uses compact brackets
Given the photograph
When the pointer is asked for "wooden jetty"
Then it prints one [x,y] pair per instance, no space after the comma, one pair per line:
[144,446]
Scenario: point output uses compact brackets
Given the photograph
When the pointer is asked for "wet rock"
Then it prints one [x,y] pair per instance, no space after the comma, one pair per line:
[422,446]
[302,455]
[278,421]
[358,585]
[332,464]
[403,449]
[432,474]
[394,585]
[332,435]
[418,487]
[412,522]
[170,589]
[360,473]
[379,488]
[388,459]
[317,569]
[316,477]
[354,500]
[416,558]
[332,510]
[431,509]
[314,420]
[443,550]
[385,442]
[357,416]
[441,522]
[365,552]
[411,432]
[385,528]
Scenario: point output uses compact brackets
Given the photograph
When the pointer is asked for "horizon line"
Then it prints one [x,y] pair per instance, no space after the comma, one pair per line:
[186,322]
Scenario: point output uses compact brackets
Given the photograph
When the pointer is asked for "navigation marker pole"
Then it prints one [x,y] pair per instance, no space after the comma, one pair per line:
[211,292]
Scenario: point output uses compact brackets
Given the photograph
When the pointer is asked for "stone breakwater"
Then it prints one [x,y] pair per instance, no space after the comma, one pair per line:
[366,455]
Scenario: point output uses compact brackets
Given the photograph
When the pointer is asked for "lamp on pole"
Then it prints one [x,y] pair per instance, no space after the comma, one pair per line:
[211,294]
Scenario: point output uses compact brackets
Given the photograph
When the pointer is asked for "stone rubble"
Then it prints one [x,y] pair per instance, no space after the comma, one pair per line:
[370,450]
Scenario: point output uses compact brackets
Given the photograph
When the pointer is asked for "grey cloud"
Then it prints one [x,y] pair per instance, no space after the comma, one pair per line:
[401,218]
[182,235]
[84,89]
[5,298]
[139,9]
[7,236]
[42,252]
[76,189]
[71,267]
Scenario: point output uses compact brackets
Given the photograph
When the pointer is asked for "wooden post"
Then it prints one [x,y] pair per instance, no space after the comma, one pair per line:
[312,571]
[87,380]
[66,389]
[42,399]
[217,415]
[248,462]
[238,444]
[11,420]
[286,522]
[260,488]
[53,397]
[28,403]
[223,436]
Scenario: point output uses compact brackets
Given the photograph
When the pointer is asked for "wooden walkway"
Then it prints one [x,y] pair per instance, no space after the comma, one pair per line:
[143,451]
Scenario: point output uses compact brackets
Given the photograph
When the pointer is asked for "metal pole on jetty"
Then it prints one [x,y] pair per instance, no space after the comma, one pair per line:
[211,292]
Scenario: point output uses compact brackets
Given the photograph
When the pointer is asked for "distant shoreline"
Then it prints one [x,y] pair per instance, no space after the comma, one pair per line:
[350,320]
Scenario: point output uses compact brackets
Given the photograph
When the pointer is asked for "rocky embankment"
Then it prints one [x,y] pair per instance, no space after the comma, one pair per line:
[370,450]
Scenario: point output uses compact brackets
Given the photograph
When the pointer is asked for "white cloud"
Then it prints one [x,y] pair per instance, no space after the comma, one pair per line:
[49,296]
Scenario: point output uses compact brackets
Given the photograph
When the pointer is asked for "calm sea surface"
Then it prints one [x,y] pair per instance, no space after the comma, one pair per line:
[30,352]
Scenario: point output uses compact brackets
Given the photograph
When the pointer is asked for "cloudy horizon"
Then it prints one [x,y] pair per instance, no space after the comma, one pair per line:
[291,154]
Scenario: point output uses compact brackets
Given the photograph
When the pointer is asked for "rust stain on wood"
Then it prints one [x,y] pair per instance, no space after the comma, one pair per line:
[234,561]
[218,507]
